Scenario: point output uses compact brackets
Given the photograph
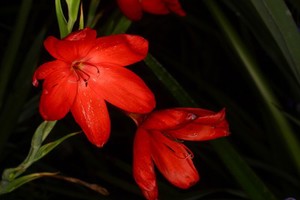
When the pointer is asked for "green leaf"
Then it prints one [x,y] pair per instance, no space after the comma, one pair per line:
[6,187]
[45,149]
[36,153]
[62,22]
[42,132]
[39,136]
[81,19]
[92,16]
[116,23]
[73,8]
[243,174]
[278,19]
[170,83]
[282,126]
[122,25]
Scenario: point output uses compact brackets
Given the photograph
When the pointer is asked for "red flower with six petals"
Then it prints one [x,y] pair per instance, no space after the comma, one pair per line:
[89,71]
[156,142]
[133,9]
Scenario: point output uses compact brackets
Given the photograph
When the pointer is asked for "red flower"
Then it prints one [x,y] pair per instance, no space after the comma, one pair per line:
[89,71]
[133,9]
[157,142]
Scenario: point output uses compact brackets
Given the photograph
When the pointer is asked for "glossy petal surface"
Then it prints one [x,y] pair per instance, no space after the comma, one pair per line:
[118,50]
[90,112]
[59,93]
[143,167]
[87,71]
[74,47]
[174,161]
[207,125]
[124,89]
[167,119]
[159,137]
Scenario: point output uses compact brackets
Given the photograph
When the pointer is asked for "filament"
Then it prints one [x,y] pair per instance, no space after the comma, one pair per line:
[83,74]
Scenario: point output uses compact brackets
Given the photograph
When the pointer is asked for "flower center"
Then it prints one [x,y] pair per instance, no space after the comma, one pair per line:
[84,71]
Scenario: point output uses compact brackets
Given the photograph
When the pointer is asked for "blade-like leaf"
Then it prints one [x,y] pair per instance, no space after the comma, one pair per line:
[81,18]
[281,25]
[91,15]
[122,25]
[243,174]
[169,81]
[73,8]
[40,134]
[62,22]
[46,148]
[6,187]
[283,128]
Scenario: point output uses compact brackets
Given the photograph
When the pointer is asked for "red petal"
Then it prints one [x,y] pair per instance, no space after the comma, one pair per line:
[124,89]
[143,168]
[167,119]
[58,94]
[120,50]
[74,47]
[155,6]
[206,127]
[90,112]
[47,68]
[200,132]
[174,6]
[173,160]
[131,9]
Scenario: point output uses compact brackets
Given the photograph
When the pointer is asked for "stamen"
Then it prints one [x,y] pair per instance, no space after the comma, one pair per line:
[183,154]
[83,74]
[171,137]
[92,65]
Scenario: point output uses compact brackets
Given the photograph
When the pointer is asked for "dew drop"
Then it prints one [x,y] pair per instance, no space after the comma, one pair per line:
[191,116]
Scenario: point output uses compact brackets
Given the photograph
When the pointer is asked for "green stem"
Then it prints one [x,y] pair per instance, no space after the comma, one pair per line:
[39,136]
[280,122]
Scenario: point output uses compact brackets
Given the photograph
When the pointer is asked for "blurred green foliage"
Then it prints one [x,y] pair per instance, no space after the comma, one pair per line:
[241,55]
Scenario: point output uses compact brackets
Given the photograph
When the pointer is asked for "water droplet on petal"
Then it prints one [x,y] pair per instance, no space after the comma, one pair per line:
[193,134]
[191,116]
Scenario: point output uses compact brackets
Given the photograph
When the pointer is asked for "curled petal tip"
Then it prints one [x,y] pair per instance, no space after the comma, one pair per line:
[100,145]
[35,82]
